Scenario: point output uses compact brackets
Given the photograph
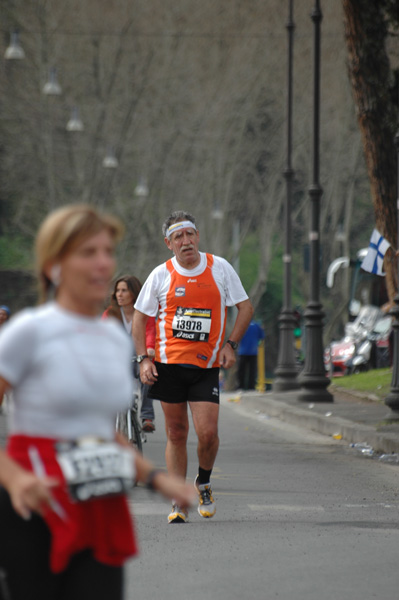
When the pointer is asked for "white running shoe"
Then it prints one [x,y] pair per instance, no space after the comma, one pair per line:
[178,515]
[207,505]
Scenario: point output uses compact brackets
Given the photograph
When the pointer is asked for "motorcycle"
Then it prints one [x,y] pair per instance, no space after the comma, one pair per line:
[373,352]
[339,356]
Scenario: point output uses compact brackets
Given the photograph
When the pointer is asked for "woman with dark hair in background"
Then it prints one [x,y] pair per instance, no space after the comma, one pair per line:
[126,290]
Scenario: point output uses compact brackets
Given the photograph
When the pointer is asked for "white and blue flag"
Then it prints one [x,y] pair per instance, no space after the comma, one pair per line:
[374,258]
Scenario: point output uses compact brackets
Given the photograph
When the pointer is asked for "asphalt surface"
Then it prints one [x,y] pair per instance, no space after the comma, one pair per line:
[356,419]
[300,516]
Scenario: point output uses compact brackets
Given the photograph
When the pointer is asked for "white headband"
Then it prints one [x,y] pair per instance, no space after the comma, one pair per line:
[177,226]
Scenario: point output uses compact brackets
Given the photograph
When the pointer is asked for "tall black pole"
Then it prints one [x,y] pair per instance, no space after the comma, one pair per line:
[392,400]
[313,379]
[286,370]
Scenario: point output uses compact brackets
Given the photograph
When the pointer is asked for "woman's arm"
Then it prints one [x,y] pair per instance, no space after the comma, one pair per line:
[170,486]
[27,492]
[4,386]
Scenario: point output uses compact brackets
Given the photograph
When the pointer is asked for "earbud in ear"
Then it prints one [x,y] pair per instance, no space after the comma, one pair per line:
[55,274]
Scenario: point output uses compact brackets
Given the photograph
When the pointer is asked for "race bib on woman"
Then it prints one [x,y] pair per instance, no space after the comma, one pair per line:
[96,469]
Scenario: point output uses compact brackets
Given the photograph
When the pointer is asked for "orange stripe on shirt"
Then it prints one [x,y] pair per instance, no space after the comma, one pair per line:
[190,327]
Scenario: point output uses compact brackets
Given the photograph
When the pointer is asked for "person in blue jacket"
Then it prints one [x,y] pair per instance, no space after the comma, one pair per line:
[248,356]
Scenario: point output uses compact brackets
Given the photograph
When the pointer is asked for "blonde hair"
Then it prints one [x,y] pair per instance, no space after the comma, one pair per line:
[63,230]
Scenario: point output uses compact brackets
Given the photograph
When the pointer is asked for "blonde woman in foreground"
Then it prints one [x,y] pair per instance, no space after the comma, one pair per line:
[65,524]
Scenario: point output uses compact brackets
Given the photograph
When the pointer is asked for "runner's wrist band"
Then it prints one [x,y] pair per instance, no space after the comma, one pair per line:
[234,345]
[149,484]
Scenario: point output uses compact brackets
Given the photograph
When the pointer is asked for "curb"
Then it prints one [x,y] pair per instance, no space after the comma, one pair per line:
[353,433]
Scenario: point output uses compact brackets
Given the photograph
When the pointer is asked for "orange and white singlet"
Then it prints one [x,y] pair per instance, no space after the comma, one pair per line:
[191,306]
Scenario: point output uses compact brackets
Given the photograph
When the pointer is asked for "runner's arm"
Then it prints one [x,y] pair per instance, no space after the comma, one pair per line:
[139,331]
[4,386]
[148,371]
[244,316]
[27,492]
[170,486]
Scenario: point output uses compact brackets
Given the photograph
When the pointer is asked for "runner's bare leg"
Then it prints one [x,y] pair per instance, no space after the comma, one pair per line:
[205,419]
[176,425]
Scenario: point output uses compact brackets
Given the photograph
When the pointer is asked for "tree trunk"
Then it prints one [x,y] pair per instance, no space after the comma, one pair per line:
[370,75]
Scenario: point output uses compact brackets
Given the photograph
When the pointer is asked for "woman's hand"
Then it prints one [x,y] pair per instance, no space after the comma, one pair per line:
[175,488]
[30,493]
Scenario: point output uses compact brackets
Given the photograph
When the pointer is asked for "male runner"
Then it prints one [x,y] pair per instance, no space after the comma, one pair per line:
[190,294]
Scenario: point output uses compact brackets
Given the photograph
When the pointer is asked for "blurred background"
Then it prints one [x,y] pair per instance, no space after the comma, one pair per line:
[142,107]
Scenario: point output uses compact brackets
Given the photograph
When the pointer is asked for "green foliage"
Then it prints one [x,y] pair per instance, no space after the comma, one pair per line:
[272,299]
[271,302]
[15,252]
[376,382]
[249,261]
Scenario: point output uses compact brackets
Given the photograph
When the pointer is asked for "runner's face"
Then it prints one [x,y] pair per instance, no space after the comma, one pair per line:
[86,273]
[184,245]
[123,295]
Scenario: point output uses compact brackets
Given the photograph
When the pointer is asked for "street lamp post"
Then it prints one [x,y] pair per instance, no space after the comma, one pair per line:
[75,123]
[14,50]
[313,379]
[286,371]
[110,160]
[392,400]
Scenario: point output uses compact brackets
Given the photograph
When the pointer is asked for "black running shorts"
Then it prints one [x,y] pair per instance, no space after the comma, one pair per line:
[177,384]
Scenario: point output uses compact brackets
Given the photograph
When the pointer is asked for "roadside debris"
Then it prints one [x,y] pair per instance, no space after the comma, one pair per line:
[392,458]
[363,448]
[262,416]
[235,398]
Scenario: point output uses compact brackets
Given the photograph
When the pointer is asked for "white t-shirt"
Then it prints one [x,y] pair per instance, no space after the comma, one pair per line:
[70,374]
[127,324]
[153,293]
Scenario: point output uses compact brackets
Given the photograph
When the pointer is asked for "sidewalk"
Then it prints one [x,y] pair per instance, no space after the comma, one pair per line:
[354,419]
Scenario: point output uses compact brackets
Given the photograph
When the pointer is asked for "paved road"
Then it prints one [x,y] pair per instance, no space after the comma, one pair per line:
[300,516]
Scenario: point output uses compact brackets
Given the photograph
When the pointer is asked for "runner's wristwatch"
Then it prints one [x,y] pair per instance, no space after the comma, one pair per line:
[141,357]
[234,345]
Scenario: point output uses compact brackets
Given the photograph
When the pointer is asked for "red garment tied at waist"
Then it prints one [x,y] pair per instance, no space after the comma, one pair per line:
[104,524]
